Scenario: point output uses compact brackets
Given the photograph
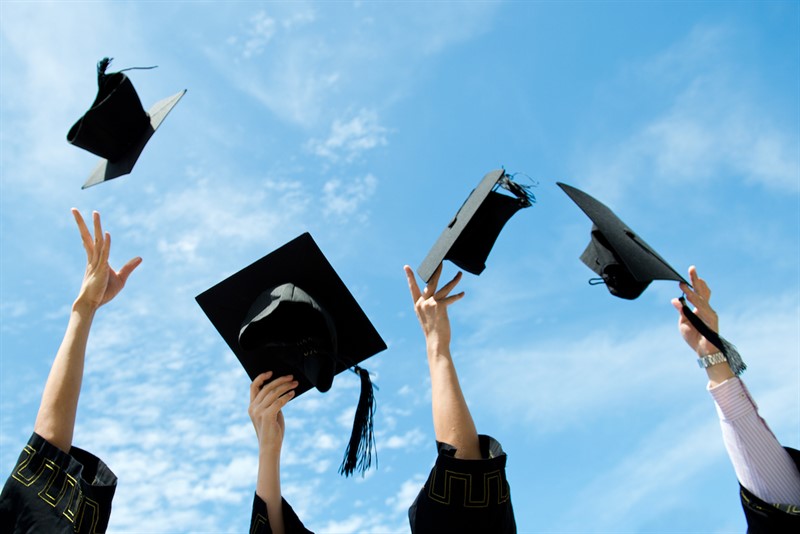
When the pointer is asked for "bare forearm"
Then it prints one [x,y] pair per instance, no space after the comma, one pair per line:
[55,421]
[452,421]
[268,488]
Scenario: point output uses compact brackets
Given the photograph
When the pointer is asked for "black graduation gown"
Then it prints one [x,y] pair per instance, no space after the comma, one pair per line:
[259,522]
[52,491]
[465,495]
[764,518]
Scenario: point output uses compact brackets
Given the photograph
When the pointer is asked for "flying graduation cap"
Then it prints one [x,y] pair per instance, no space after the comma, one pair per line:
[471,234]
[116,127]
[290,313]
[627,264]
[623,260]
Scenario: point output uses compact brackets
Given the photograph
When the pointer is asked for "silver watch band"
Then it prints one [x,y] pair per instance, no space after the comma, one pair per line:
[712,359]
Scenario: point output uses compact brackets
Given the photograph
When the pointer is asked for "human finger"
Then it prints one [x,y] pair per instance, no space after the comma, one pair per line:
[106,249]
[256,385]
[128,268]
[451,299]
[678,305]
[448,287]
[86,237]
[695,299]
[412,283]
[274,389]
[277,397]
[699,284]
[430,287]
[98,237]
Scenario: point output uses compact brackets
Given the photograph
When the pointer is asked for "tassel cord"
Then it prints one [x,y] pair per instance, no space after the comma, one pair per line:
[730,352]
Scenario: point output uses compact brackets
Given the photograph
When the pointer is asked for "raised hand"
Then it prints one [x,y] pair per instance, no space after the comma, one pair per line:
[101,283]
[699,297]
[266,401]
[431,305]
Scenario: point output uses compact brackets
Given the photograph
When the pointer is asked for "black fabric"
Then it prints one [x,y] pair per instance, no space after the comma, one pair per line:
[114,123]
[299,262]
[600,257]
[50,491]
[286,322]
[259,521]
[621,257]
[471,234]
[473,246]
[465,495]
[765,518]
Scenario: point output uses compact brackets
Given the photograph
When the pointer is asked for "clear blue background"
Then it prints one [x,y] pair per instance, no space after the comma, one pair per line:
[367,124]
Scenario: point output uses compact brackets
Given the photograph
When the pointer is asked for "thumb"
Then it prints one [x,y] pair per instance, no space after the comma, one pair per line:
[128,268]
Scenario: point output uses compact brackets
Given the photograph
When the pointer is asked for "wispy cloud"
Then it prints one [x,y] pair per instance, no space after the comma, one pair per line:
[342,201]
[653,473]
[349,139]
[304,74]
[715,127]
[596,361]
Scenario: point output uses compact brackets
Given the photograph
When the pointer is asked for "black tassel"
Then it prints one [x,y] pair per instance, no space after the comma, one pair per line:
[102,65]
[358,455]
[522,192]
[730,352]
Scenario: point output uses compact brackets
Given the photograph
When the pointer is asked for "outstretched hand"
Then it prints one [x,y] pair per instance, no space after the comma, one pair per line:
[431,305]
[266,401]
[101,283]
[698,297]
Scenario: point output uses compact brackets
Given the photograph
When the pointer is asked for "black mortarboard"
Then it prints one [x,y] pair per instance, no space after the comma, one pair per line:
[471,234]
[290,313]
[623,260]
[627,265]
[116,127]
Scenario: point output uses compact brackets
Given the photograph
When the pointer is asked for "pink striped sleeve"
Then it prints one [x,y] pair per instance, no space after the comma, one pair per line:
[762,465]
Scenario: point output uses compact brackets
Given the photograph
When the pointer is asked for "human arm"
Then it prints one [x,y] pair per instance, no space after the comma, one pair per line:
[55,420]
[762,465]
[452,421]
[266,402]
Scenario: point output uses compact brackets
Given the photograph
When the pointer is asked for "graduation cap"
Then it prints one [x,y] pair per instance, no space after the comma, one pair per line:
[290,313]
[627,264]
[623,260]
[471,234]
[116,127]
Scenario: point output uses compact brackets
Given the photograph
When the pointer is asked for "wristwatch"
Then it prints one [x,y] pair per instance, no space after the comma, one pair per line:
[712,359]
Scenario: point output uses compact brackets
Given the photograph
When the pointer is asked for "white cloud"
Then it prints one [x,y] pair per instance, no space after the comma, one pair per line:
[310,72]
[716,127]
[409,440]
[405,496]
[598,372]
[260,33]
[348,140]
[345,200]
[653,473]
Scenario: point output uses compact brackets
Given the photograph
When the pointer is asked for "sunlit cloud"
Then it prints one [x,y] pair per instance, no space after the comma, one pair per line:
[716,126]
[349,139]
[344,200]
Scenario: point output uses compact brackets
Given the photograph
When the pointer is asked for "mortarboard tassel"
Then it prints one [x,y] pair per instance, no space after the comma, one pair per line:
[735,361]
[102,65]
[522,192]
[358,455]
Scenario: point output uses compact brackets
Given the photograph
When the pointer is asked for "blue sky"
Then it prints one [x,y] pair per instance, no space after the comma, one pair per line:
[367,124]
